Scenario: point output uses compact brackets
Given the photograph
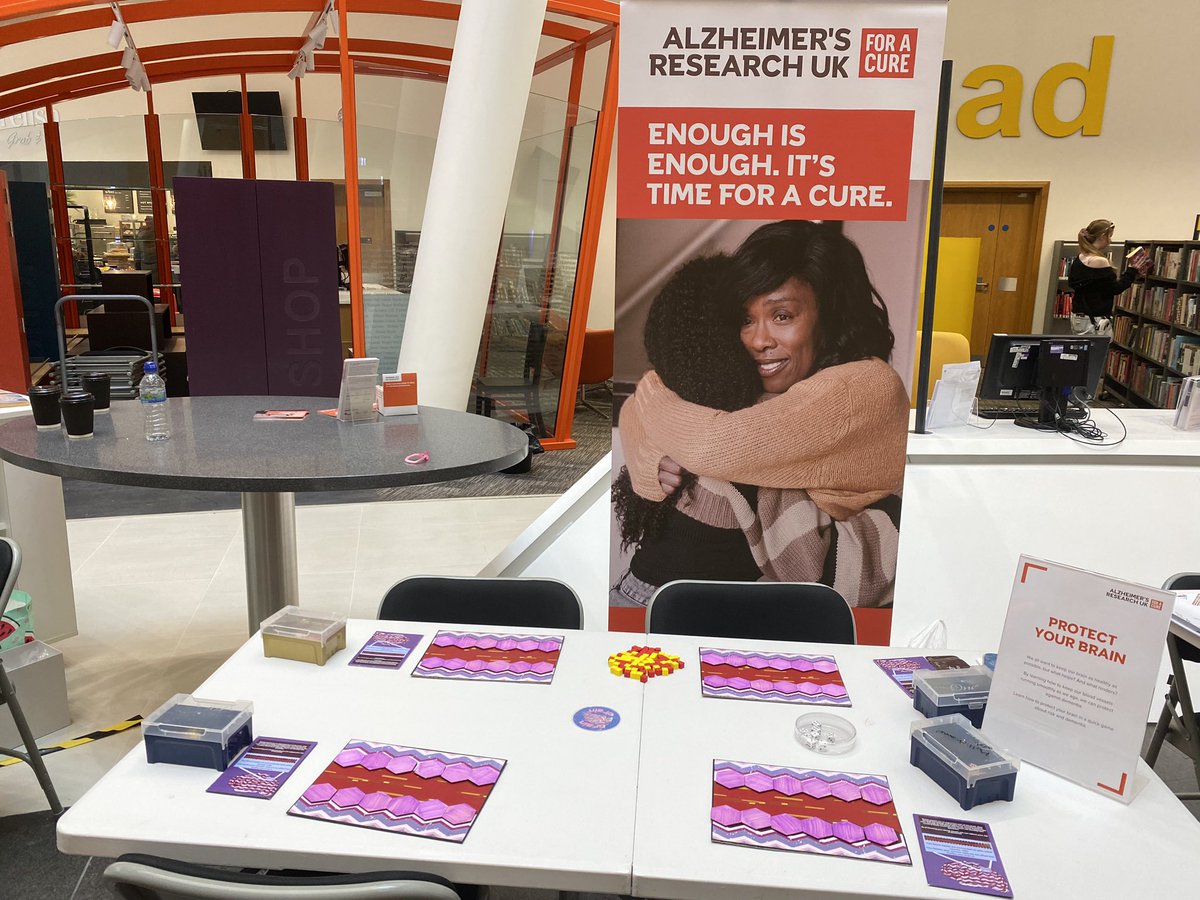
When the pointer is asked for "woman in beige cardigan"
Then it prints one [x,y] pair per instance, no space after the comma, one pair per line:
[826,442]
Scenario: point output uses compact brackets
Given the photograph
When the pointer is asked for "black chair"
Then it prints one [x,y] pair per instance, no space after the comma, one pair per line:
[527,388]
[1177,723]
[10,567]
[505,602]
[752,610]
[139,877]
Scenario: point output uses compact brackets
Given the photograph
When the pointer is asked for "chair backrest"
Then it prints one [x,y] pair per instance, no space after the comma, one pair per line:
[139,877]
[535,351]
[946,347]
[752,610]
[596,361]
[10,568]
[507,602]
[1183,581]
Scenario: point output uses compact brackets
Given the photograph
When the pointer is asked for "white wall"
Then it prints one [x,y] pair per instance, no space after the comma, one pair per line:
[1141,171]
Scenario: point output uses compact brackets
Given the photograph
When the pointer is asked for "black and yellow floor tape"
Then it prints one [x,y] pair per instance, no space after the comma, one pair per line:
[81,740]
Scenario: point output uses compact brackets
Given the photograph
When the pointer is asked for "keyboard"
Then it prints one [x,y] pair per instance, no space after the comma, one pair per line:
[1008,412]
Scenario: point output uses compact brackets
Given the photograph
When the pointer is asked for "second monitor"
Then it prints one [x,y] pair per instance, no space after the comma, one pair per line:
[1045,368]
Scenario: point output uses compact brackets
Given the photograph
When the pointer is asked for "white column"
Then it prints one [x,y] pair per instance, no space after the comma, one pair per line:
[495,48]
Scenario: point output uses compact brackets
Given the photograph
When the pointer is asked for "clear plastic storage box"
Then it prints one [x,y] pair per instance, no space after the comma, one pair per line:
[309,637]
[190,731]
[950,691]
[963,761]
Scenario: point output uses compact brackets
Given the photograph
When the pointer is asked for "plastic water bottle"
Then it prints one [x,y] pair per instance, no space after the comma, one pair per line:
[153,394]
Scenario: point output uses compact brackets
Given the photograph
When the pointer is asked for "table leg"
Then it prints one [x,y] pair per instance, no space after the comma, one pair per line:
[269,532]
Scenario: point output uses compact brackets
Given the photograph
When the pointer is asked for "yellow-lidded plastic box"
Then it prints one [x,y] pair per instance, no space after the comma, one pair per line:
[293,633]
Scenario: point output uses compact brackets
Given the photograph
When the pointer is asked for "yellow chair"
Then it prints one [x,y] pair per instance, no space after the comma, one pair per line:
[948,347]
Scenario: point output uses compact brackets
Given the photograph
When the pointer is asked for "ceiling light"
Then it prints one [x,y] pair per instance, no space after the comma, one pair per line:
[128,57]
[333,20]
[310,62]
[308,46]
[116,33]
[318,34]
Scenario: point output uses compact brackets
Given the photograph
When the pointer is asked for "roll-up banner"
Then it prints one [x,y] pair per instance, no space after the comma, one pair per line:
[772,191]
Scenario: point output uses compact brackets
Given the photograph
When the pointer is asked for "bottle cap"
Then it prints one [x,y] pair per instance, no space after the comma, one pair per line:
[150,367]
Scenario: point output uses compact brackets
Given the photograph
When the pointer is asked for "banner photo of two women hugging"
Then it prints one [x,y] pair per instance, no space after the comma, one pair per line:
[773,165]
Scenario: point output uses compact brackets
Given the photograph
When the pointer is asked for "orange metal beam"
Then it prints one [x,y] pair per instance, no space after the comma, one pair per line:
[60,214]
[246,127]
[563,54]
[300,135]
[585,269]
[353,222]
[41,24]
[158,201]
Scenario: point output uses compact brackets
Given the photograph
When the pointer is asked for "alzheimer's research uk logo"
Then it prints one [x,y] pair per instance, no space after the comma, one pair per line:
[1134,598]
[888,53]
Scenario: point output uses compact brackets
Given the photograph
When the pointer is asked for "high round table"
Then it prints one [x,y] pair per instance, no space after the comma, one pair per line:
[216,445]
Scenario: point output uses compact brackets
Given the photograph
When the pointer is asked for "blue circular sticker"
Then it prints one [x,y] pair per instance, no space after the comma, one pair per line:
[597,718]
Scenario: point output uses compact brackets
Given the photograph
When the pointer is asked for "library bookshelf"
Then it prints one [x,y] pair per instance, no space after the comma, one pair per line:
[1156,329]
[1058,300]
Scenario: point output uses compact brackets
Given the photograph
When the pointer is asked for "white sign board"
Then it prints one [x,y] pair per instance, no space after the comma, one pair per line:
[1076,673]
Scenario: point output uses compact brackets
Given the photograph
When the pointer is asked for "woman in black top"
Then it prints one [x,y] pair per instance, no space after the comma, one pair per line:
[1095,282]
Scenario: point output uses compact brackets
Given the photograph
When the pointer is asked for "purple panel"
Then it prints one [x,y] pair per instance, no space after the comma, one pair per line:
[222,295]
[298,250]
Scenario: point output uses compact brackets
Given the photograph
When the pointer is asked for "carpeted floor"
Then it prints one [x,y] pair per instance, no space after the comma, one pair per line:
[551,473]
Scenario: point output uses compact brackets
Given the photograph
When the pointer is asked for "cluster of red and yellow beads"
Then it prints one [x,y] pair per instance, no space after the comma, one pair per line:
[643,663]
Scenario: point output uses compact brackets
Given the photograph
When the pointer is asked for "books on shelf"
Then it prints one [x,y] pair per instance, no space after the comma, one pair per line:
[1167,262]
[1191,267]
[1187,412]
[1062,304]
[1118,364]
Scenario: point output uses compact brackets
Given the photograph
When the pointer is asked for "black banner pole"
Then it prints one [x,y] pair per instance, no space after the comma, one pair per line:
[935,232]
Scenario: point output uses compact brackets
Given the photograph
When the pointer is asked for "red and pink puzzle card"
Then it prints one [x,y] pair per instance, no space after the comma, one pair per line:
[476,656]
[425,793]
[780,677]
[806,811]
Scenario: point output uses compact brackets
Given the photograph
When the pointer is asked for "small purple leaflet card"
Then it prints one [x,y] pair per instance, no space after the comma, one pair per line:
[262,768]
[901,669]
[961,856]
[386,650]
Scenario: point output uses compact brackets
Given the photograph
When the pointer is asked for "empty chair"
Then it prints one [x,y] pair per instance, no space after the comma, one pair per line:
[1178,723]
[595,363]
[138,877]
[10,567]
[525,388]
[507,602]
[946,347]
[753,610]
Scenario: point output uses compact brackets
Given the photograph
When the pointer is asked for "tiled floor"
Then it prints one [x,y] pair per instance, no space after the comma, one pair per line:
[161,603]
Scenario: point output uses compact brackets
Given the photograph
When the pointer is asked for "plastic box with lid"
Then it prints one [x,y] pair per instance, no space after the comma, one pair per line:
[949,691]
[961,759]
[190,731]
[308,637]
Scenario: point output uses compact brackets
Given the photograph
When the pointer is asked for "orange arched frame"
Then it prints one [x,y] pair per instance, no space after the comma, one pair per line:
[100,73]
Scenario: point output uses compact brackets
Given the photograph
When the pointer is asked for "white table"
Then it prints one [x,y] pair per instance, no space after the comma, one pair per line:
[1057,840]
[559,817]
[974,500]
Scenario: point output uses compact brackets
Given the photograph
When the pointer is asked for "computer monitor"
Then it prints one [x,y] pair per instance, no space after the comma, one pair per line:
[1046,368]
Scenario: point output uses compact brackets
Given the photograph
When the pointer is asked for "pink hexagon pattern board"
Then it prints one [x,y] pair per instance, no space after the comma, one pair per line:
[474,656]
[426,793]
[778,677]
[806,811]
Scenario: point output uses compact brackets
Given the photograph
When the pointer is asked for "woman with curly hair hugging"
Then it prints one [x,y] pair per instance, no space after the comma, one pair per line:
[825,441]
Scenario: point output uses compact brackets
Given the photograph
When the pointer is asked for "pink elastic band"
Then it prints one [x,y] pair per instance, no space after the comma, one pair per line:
[415,459]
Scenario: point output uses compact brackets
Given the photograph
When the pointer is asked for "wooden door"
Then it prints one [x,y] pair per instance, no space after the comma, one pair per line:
[375,217]
[1008,223]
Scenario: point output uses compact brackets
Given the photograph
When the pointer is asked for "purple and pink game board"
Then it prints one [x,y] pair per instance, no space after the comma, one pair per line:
[806,811]
[779,677]
[476,656]
[425,793]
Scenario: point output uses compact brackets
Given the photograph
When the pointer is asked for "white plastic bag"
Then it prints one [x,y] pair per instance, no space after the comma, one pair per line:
[932,637]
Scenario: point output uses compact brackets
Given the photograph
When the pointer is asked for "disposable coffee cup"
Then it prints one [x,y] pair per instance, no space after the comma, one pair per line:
[44,400]
[99,385]
[77,413]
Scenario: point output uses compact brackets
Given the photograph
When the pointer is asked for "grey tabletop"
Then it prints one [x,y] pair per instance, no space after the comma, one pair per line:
[216,445]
